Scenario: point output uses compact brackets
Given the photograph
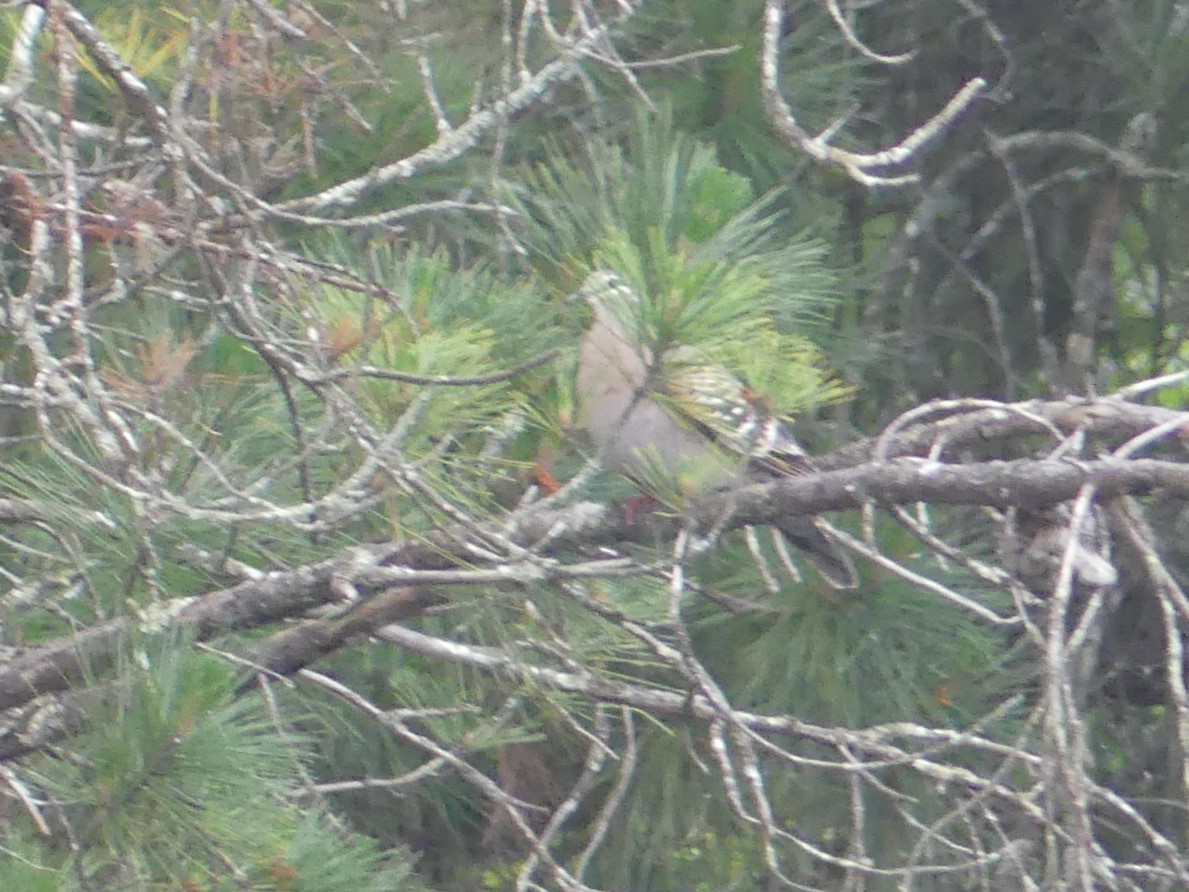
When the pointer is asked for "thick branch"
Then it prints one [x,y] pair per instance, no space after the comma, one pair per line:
[1002,484]
[1110,419]
[364,572]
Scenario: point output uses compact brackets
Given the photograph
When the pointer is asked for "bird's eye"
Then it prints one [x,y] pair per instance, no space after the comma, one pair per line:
[602,283]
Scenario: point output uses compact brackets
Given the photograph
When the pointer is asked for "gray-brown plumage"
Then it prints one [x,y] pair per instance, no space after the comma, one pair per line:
[683,412]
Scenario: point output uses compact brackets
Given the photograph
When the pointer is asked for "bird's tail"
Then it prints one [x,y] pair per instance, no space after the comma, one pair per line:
[826,555]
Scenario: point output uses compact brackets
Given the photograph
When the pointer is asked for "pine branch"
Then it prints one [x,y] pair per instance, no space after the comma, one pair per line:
[447,557]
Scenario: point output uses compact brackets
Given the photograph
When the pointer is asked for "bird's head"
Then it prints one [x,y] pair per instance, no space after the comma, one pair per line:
[611,297]
[602,287]
[620,307]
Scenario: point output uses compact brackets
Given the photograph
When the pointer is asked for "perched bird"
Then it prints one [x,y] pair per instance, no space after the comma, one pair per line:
[683,413]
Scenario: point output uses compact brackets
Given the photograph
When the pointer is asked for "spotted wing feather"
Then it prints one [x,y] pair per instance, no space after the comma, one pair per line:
[721,405]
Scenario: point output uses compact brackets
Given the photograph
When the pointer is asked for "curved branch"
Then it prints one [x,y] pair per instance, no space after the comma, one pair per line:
[858,166]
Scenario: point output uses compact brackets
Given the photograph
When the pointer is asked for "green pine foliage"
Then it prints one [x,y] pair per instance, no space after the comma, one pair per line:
[186,786]
[320,860]
[428,353]
[421,343]
[181,782]
[720,273]
[716,267]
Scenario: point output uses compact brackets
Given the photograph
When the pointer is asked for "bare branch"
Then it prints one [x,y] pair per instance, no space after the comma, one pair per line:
[857,166]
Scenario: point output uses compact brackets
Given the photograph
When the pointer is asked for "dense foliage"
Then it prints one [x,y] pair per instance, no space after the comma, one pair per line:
[312,581]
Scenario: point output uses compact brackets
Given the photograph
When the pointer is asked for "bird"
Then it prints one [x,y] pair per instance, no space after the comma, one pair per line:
[681,411]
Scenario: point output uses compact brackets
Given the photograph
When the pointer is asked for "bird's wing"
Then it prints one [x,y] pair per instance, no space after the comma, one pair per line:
[711,398]
[708,397]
